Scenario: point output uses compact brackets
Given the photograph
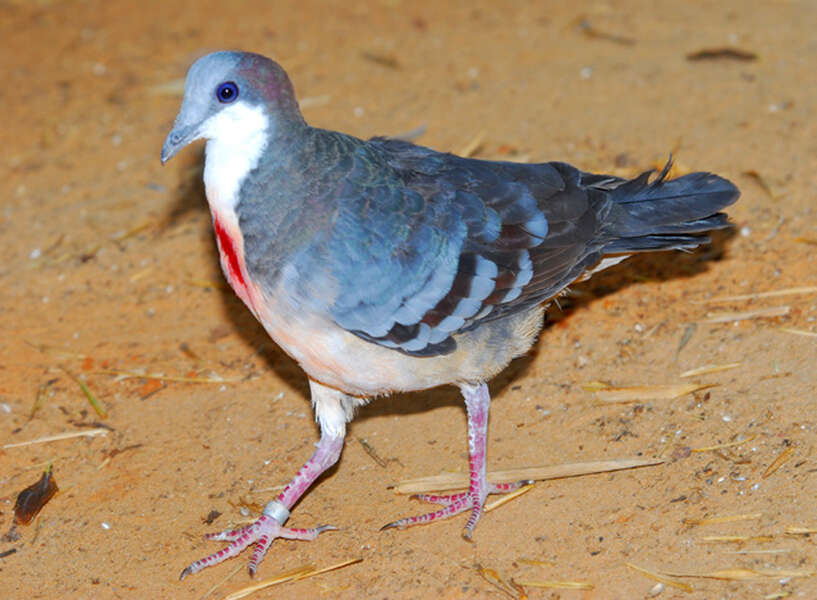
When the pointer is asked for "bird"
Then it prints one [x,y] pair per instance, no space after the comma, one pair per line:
[382,266]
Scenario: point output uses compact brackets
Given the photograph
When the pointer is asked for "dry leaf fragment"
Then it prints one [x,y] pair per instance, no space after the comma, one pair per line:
[32,499]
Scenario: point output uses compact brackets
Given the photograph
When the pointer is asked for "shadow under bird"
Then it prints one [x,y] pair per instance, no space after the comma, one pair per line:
[384,266]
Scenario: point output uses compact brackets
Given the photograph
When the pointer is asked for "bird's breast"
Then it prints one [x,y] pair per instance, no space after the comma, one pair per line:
[231,252]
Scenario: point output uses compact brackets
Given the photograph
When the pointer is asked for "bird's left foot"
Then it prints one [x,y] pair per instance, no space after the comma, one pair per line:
[453,504]
[261,533]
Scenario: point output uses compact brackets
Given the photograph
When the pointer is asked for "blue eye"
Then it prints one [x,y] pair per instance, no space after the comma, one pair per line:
[227,92]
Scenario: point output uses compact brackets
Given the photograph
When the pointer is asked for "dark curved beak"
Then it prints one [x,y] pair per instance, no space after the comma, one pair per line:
[178,139]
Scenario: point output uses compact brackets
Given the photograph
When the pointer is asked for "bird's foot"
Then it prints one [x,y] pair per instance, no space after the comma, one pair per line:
[261,533]
[453,504]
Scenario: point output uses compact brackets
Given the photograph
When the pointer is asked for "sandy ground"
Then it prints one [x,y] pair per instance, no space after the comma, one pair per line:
[109,265]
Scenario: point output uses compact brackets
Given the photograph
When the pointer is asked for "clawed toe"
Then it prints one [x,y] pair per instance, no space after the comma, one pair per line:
[261,533]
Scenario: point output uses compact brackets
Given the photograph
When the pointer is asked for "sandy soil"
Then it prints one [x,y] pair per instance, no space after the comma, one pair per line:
[109,265]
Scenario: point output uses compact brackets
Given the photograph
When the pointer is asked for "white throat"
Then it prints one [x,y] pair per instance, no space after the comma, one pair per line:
[236,138]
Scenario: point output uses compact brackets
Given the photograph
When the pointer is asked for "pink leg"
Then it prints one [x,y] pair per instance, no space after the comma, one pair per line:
[477,404]
[270,525]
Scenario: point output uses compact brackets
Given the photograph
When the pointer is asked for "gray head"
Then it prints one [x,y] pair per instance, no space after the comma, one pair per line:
[227,93]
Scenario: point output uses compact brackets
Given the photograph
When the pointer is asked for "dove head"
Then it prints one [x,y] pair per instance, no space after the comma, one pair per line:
[232,98]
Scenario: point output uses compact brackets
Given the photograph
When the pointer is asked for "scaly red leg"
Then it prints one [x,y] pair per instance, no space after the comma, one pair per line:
[270,525]
[477,404]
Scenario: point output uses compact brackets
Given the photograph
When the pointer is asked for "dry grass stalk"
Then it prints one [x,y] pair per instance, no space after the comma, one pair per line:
[802,332]
[726,445]
[707,369]
[280,578]
[535,562]
[222,582]
[760,313]
[726,519]
[140,274]
[95,404]
[741,574]
[768,551]
[369,449]
[120,375]
[453,481]
[59,436]
[658,577]
[508,497]
[475,144]
[641,393]
[793,530]
[812,289]
[778,462]
[737,539]
[335,567]
[297,574]
[558,585]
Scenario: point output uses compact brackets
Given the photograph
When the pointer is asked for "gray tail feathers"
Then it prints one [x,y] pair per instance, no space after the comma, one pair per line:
[666,214]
